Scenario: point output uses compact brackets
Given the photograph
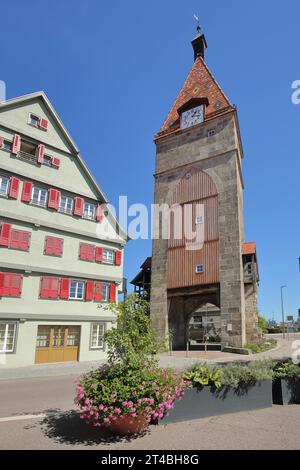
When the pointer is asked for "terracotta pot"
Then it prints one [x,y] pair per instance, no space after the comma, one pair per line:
[126,425]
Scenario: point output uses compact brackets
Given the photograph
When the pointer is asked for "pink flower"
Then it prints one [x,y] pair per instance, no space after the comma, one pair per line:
[118,410]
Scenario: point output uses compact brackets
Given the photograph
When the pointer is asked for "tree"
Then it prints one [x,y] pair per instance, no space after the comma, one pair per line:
[133,340]
[262,324]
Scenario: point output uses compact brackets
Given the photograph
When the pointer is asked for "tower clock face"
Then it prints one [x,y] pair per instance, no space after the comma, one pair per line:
[192,117]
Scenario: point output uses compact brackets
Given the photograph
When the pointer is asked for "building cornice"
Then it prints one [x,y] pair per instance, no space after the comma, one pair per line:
[59,318]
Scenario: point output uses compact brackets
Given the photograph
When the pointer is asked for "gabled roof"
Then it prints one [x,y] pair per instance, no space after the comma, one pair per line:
[200,83]
[42,95]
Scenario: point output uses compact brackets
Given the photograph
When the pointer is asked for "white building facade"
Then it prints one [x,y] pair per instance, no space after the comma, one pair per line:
[61,249]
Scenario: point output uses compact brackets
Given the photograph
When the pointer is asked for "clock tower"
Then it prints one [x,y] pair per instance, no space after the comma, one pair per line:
[199,173]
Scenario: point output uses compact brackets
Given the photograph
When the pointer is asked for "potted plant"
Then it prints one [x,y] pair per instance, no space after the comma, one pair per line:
[286,384]
[130,391]
[218,390]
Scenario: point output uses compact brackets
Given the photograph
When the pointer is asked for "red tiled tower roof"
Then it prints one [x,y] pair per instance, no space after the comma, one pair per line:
[200,83]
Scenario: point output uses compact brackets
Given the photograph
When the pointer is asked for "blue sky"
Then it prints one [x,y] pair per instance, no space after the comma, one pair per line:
[112,71]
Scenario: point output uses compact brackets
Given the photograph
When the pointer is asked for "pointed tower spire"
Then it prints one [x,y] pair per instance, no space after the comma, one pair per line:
[199,43]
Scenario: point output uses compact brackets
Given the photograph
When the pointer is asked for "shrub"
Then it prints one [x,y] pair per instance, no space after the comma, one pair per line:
[203,375]
[237,375]
[287,370]
[131,383]
[133,340]
[266,346]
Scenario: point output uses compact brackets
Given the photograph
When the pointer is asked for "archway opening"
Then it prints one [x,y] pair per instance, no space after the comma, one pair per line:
[204,328]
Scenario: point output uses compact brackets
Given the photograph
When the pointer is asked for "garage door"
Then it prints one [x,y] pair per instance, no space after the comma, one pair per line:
[57,344]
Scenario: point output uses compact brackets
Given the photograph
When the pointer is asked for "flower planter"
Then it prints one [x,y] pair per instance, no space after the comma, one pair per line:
[286,391]
[209,401]
[125,425]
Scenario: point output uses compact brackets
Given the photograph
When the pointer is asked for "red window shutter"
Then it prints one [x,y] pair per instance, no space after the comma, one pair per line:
[49,246]
[54,246]
[98,291]
[89,290]
[43,124]
[64,288]
[55,162]
[40,153]
[16,144]
[118,258]
[26,191]
[25,240]
[49,288]
[59,247]
[98,254]
[112,292]
[16,285]
[87,252]
[1,284]
[99,216]
[14,187]
[78,208]
[45,288]
[20,239]
[5,234]
[54,197]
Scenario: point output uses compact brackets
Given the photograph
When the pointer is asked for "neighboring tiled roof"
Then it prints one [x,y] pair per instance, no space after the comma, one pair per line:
[249,248]
[200,83]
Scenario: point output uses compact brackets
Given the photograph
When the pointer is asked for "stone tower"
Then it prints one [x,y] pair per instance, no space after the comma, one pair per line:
[199,168]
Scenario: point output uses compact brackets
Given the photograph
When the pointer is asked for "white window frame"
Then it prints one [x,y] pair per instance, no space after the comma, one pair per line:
[106,259]
[5,350]
[105,288]
[7,142]
[99,338]
[47,158]
[37,188]
[76,290]
[199,268]
[64,209]
[89,216]
[7,185]
[30,115]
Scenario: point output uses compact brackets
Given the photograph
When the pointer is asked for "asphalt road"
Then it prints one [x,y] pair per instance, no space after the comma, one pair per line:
[36,395]
[58,425]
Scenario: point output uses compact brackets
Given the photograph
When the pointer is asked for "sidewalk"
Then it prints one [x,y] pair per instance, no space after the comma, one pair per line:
[178,359]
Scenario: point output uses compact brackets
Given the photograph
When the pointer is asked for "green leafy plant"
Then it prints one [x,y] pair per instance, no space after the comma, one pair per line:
[266,346]
[287,370]
[237,375]
[262,324]
[203,375]
[133,339]
[115,390]
[131,383]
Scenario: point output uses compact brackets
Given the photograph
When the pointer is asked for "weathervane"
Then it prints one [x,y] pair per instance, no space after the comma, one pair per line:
[198,24]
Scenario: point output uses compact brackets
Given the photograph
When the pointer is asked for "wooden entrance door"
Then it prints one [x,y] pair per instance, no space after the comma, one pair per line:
[57,343]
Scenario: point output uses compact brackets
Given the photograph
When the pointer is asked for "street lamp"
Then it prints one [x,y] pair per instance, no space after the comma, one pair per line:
[282,310]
